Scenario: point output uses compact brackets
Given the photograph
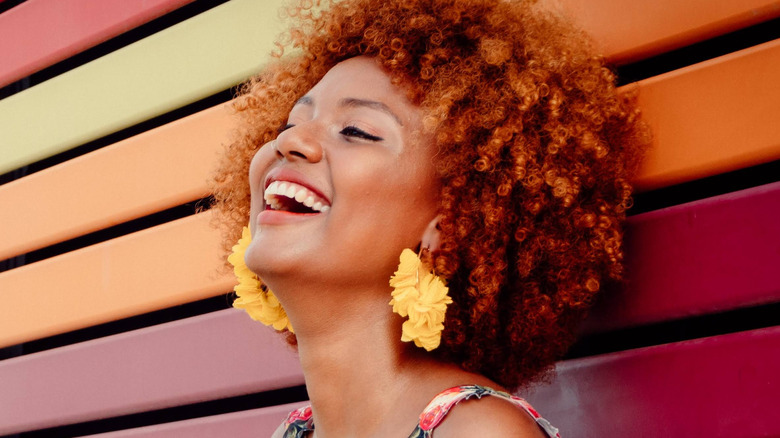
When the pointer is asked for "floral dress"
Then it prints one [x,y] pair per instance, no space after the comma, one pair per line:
[300,421]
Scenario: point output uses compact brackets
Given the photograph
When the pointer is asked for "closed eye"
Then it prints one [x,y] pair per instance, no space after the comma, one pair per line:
[284,128]
[351,131]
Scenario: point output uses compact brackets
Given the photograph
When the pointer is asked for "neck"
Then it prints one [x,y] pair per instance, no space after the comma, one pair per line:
[361,379]
[355,365]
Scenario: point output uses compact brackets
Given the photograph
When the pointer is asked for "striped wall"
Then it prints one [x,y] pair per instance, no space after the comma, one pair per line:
[115,315]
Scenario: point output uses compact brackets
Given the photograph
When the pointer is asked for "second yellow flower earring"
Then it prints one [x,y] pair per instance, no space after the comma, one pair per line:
[422,296]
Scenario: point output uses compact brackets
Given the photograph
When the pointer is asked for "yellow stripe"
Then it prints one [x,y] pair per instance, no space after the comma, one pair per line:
[188,61]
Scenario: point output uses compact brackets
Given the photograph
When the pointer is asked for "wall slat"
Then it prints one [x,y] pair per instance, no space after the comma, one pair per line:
[724,386]
[630,31]
[712,117]
[212,356]
[77,24]
[706,256]
[174,263]
[248,424]
[158,169]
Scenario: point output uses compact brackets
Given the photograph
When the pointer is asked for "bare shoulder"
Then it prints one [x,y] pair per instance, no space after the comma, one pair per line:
[279,432]
[488,417]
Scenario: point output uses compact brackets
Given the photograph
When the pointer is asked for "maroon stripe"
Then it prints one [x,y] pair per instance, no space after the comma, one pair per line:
[706,256]
[723,386]
[208,357]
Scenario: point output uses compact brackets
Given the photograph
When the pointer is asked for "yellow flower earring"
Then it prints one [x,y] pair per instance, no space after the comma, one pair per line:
[422,296]
[256,299]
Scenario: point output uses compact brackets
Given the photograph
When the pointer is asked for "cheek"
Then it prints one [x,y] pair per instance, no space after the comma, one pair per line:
[258,168]
[259,164]
[390,189]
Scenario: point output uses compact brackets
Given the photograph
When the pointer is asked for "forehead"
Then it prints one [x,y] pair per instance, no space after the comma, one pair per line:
[361,75]
[361,78]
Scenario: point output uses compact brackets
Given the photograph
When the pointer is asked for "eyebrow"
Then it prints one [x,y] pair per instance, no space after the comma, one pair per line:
[354,102]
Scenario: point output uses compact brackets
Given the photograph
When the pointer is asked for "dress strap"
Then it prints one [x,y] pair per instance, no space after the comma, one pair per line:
[298,423]
[437,409]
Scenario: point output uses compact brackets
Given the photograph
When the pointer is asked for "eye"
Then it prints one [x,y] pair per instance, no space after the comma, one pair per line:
[284,128]
[351,131]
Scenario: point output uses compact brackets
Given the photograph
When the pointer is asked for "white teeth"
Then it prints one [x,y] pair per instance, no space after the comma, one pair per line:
[293,191]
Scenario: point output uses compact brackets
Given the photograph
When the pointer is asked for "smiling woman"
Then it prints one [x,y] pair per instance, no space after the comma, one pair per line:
[479,142]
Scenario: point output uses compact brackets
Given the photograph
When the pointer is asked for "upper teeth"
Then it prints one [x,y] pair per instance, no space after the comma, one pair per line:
[293,191]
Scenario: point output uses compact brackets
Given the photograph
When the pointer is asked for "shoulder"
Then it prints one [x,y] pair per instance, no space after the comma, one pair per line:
[488,417]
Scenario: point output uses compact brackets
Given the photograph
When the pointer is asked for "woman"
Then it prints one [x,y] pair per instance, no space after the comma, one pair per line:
[434,198]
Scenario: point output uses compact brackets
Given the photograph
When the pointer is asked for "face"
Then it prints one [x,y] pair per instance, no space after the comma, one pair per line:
[346,186]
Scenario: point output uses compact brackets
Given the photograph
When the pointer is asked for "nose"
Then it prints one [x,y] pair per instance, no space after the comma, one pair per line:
[298,143]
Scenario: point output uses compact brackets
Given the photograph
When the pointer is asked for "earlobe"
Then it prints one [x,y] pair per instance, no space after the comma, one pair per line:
[431,237]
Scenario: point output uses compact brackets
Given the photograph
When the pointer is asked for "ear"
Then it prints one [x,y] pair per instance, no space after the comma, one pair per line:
[431,237]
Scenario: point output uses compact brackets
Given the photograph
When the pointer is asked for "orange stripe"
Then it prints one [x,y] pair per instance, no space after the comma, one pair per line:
[627,31]
[158,169]
[152,269]
[713,117]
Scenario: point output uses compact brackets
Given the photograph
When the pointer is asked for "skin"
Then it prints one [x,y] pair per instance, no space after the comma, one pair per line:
[357,141]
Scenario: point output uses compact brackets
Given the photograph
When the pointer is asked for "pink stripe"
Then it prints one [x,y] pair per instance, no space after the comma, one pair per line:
[707,256]
[257,423]
[208,357]
[723,386]
[39,33]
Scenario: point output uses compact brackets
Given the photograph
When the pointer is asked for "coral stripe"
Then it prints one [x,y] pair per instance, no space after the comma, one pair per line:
[77,24]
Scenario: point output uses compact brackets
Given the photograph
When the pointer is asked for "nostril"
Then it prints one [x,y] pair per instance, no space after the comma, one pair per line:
[297,147]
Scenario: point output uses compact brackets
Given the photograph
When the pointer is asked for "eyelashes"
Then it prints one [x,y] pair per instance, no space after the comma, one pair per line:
[349,132]
[353,132]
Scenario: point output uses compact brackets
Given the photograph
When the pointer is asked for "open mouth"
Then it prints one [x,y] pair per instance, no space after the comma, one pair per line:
[293,198]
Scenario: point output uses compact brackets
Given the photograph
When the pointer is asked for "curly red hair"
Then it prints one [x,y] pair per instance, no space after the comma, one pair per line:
[535,152]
